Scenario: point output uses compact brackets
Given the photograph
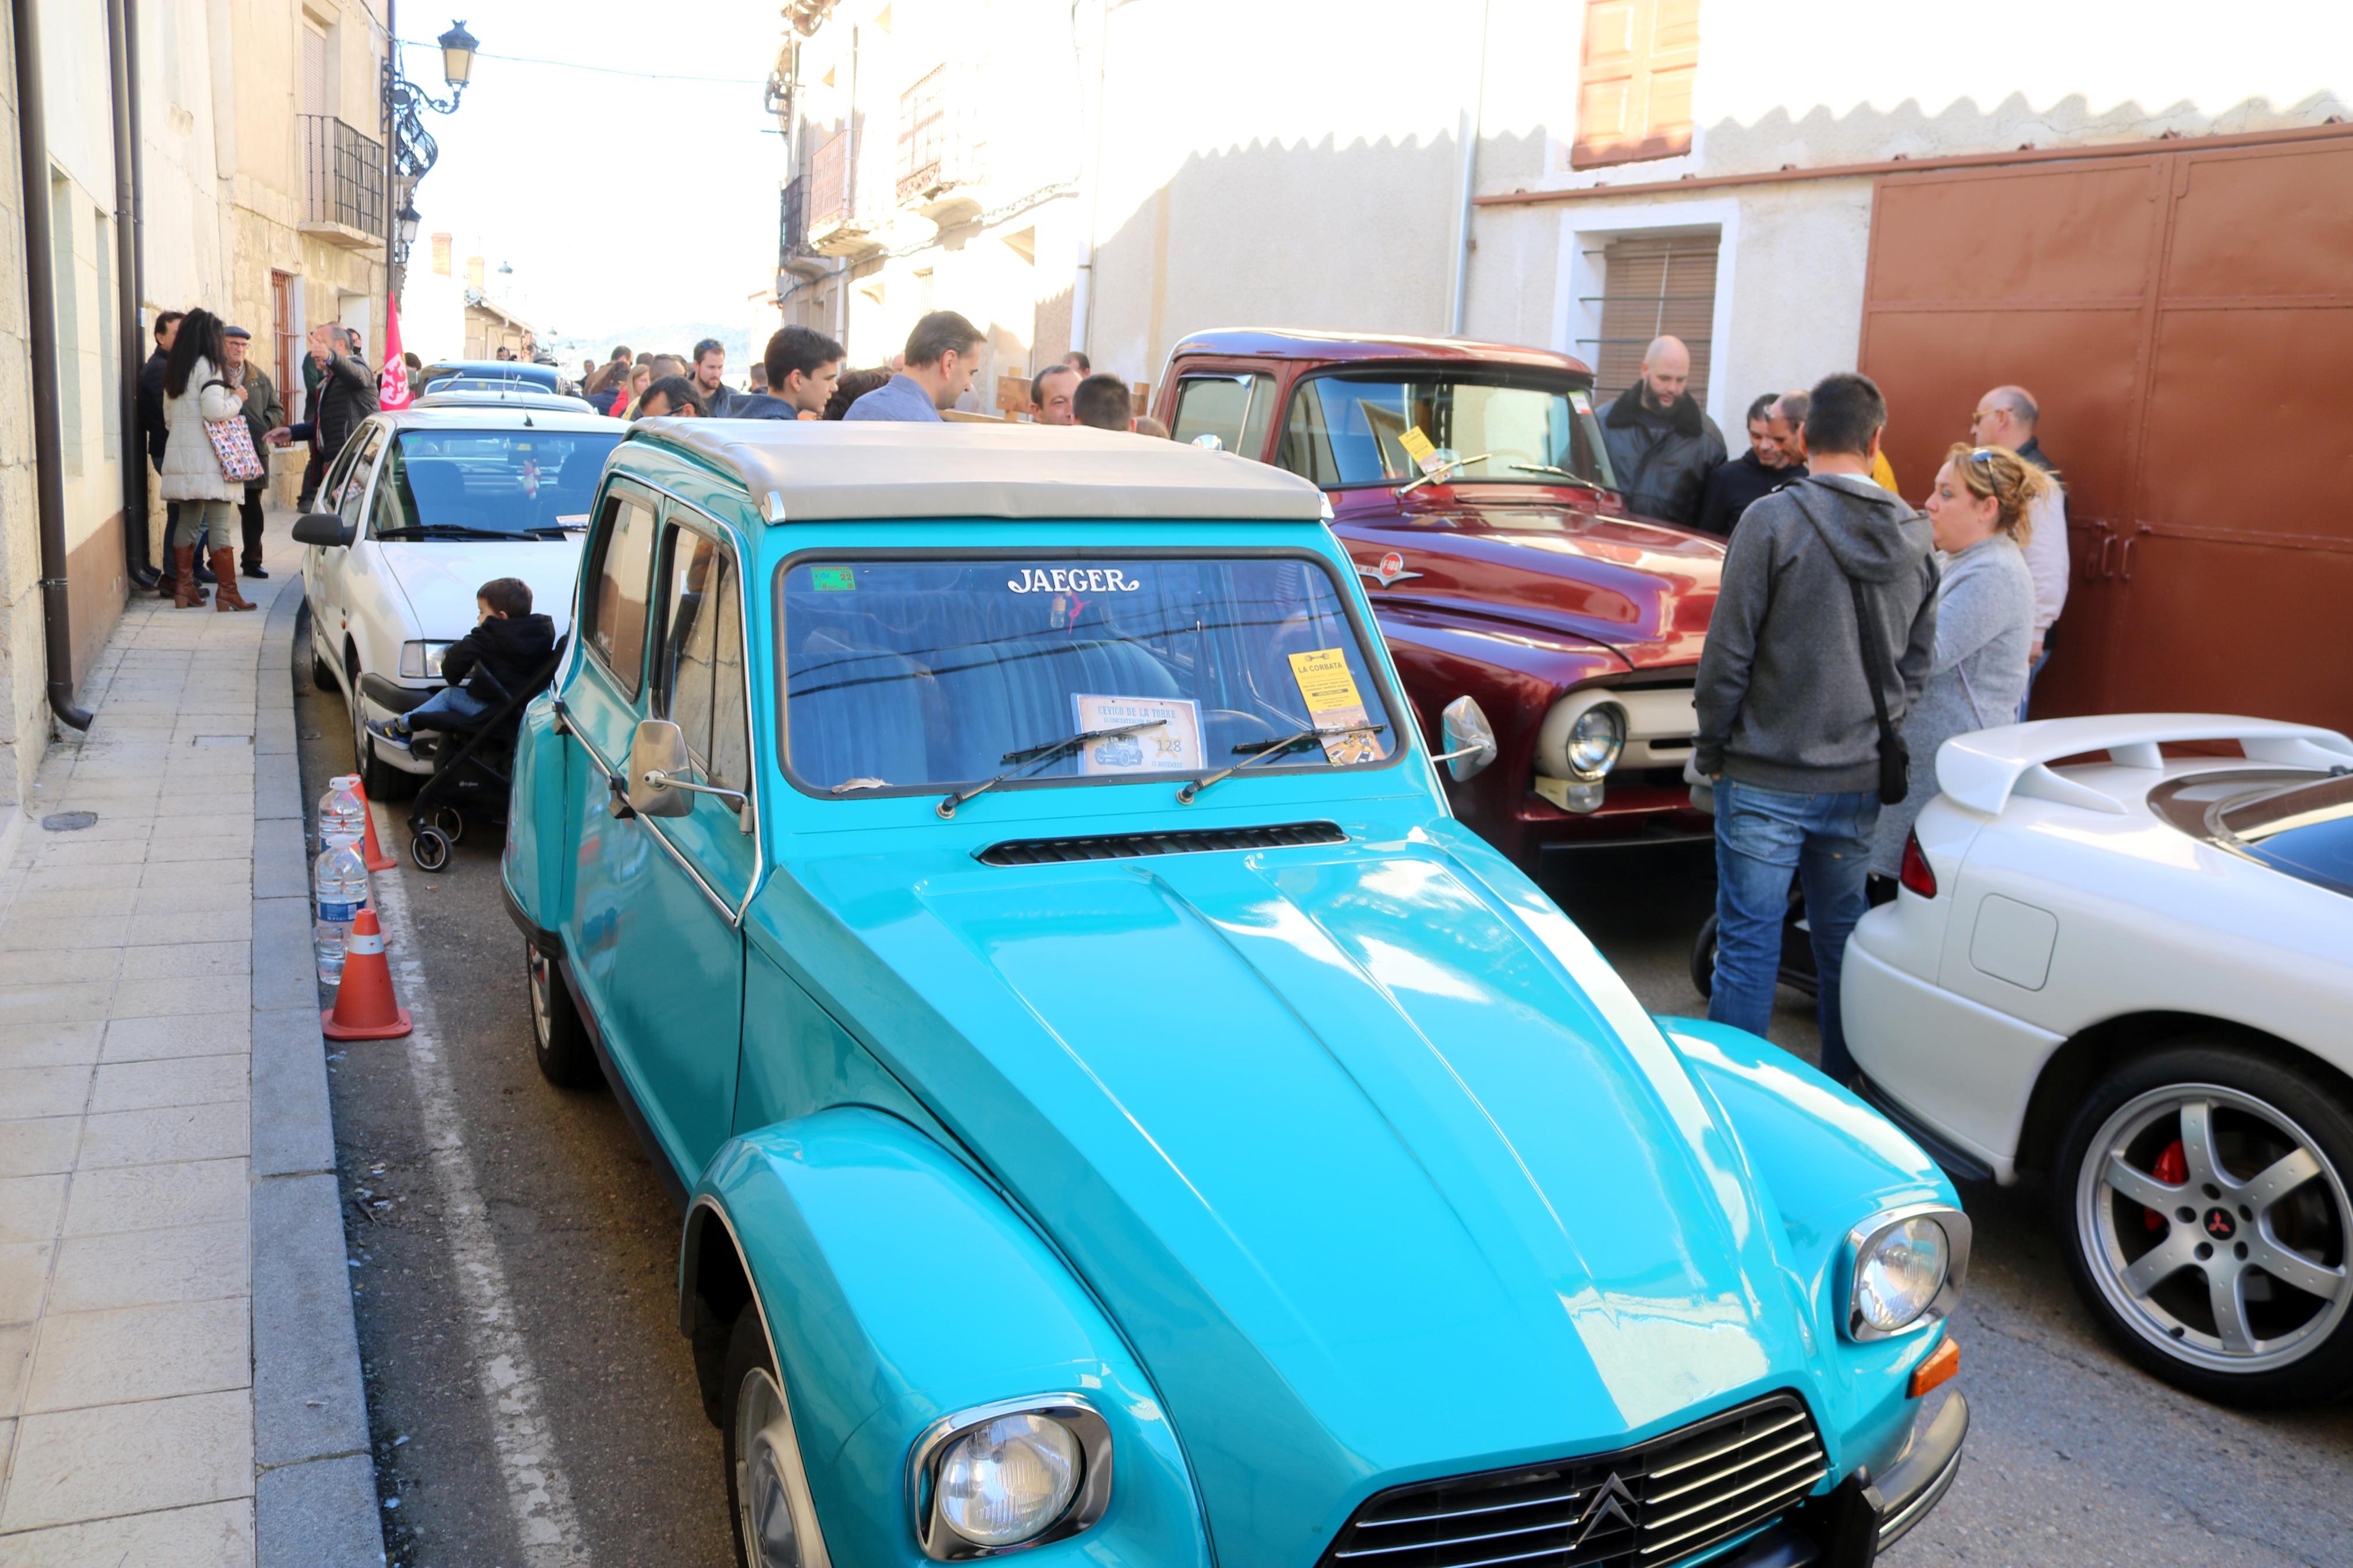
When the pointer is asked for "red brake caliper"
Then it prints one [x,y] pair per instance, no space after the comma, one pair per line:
[2172,1169]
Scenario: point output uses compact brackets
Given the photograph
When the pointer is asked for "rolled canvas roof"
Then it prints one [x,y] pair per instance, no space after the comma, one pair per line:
[831,470]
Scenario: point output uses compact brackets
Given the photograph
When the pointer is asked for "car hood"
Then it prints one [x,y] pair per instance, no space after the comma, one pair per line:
[439,578]
[1382,1172]
[1624,581]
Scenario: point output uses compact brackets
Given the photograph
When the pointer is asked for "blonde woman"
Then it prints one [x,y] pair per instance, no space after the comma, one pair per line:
[195,396]
[1985,620]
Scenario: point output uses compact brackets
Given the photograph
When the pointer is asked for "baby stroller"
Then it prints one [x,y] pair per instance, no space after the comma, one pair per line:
[473,765]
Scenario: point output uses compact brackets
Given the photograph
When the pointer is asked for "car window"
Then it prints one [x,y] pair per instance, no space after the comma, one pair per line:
[330,493]
[1236,409]
[355,481]
[700,684]
[526,482]
[625,560]
[903,673]
[2305,831]
[1356,429]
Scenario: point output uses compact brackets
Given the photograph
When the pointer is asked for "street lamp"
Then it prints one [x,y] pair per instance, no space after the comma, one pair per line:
[457,58]
[408,220]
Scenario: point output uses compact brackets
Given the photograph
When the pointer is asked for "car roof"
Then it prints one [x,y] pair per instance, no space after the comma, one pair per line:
[495,413]
[469,393]
[508,367]
[831,470]
[1283,343]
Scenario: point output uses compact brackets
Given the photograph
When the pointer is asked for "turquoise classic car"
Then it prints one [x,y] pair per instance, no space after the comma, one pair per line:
[1118,1112]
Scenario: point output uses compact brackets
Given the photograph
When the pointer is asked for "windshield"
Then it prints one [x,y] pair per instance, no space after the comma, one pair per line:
[516,482]
[902,674]
[444,377]
[2306,831]
[1354,429]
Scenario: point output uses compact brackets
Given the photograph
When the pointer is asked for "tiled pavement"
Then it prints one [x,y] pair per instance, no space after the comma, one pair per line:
[168,1221]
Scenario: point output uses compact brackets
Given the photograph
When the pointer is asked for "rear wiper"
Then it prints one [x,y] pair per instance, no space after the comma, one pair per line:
[444,531]
[1265,749]
[1587,481]
[1044,752]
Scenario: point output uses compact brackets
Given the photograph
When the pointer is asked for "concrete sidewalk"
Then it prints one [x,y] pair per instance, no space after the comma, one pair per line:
[179,1379]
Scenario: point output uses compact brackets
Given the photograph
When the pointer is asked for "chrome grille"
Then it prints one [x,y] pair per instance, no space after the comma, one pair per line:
[1657,1503]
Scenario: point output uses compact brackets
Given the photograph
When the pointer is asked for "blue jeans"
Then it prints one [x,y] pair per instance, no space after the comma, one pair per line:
[1761,836]
[2033,670]
[455,701]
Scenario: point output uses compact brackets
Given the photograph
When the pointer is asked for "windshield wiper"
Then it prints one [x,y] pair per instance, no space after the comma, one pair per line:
[542,530]
[1443,471]
[1265,749]
[1586,480]
[444,531]
[1045,751]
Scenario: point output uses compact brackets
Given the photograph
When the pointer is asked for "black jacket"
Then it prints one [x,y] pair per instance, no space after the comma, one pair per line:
[1663,456]
[346,396]
[151,406]
[1733,486]
[511,650]
[263,414]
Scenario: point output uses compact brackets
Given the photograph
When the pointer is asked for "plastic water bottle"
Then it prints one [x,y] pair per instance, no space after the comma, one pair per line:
[341,816]
[339,881]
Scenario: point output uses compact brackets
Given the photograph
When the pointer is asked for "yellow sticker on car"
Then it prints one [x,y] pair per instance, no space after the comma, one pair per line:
[1329,689]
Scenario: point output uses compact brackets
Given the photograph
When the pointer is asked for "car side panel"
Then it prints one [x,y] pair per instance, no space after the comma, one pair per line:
[534,866]
[897,1289]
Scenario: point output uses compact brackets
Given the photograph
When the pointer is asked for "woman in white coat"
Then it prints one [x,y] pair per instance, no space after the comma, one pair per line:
[195,396]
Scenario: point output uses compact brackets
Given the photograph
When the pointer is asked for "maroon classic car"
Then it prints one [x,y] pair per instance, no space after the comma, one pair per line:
[1470,485]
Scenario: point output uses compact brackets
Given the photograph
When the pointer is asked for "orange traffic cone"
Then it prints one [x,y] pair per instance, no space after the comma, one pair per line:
[365,1008]
[370,850]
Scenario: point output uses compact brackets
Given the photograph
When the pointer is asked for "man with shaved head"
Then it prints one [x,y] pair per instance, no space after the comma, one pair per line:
[1661,443]
[2006,417]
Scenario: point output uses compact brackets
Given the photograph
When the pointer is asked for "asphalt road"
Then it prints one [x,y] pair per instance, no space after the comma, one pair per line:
[534,1407]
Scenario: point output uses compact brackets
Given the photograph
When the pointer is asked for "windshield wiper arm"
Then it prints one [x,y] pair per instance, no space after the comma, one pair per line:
[1443,471]
[1274,749]
[1586,480]
[541,530]
[443,531]
[1046,752]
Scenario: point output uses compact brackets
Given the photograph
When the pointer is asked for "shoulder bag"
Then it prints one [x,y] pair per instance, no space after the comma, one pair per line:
[232,440]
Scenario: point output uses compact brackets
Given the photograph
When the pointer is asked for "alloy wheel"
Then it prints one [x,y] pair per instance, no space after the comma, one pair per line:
[763,1499]
[2216,1227]
[543,975]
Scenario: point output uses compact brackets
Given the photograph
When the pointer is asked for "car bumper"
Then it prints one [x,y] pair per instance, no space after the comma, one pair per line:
[1851,1525]
[1631,815]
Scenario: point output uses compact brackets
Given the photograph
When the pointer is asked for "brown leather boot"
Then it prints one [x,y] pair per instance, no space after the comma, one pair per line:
[185,595]
[224,594]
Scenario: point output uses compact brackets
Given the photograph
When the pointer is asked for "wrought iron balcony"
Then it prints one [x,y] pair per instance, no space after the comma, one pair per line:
[792,219]
[834,226]
[343,182]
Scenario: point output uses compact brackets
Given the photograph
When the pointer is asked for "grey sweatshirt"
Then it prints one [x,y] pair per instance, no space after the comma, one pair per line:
[1783,700]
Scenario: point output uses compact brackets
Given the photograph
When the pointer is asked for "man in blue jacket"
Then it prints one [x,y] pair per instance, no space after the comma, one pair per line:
[940,361]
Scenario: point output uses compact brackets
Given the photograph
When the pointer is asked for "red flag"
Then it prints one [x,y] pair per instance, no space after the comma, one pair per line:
[392,381]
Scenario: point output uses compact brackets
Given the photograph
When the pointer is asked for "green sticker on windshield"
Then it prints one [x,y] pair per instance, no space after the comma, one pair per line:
[833,579]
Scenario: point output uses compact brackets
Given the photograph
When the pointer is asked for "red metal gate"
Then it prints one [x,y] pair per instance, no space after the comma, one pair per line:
[2186,320]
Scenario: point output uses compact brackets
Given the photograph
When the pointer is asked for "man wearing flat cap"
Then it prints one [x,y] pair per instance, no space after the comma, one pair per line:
[263,414]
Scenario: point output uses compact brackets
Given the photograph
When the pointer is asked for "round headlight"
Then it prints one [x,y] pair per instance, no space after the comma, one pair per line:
[1009,1480]
[1596,738]
[1898,1276]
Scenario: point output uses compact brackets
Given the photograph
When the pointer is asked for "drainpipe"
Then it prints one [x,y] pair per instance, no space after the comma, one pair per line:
[1471,121]
[121,46]
[41,308]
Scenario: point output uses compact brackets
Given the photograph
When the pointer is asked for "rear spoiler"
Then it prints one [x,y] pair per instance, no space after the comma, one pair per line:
[1983,768]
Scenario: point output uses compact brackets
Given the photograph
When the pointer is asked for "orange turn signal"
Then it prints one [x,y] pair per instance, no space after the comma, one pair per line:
[1943,1363]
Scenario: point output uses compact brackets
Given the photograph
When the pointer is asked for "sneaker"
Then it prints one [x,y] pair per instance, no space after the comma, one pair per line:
[383,730]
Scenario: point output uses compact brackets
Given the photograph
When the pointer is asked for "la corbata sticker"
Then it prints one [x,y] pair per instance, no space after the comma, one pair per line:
[1329,689]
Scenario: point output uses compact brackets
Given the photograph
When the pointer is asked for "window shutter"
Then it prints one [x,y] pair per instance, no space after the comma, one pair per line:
[1634,81]
[316,99]
[1653,287]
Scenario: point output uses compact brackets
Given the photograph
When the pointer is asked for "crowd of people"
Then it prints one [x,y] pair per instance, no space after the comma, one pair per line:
[802,375]
[1853,633]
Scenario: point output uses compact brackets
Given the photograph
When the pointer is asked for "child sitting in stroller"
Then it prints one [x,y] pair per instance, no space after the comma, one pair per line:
[508,645]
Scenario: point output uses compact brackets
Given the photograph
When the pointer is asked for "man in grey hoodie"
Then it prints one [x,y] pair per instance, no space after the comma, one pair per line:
[1788,728]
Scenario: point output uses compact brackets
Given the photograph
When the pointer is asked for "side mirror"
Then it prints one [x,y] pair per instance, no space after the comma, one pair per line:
[658,749]
[324,528]
[1469,739]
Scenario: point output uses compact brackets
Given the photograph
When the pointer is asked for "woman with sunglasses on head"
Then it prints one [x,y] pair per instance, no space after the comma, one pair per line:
[1985,620]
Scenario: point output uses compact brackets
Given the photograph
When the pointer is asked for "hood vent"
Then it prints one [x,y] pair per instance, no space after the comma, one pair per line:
[1130,846]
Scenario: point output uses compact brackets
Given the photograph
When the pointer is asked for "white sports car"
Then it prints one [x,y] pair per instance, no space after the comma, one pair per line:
[419,509]
[2135,976]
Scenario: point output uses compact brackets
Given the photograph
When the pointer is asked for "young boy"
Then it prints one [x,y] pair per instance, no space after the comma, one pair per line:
[508,644]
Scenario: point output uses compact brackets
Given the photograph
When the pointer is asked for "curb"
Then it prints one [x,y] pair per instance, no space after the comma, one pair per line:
[314,1493]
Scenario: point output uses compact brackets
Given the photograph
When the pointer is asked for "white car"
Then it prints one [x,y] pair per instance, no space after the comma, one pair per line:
[2135,977]
[418,510]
